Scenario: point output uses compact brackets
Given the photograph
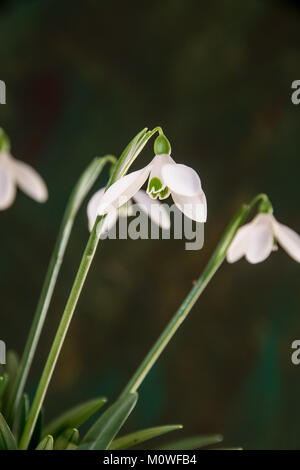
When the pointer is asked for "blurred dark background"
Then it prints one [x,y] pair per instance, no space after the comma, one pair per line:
[82,79]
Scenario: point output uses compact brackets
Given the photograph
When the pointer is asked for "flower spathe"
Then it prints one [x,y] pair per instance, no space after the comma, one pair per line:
[166,177]
[15,173]
[255,240]
[153,209]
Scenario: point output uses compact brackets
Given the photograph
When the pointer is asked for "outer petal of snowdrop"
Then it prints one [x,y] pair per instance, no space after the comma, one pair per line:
[123,189]
[29,181]
[194,207]
[260,240]
[181,179]
[288,239]
[7,188]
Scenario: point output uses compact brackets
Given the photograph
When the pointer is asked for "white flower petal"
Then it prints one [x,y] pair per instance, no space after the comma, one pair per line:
[123,189]
[93,206]
[288,239]
[194,207]
[181,179]
[30,181]
[109,221]
[7,188]
[92,212]
[239,244]
[260,239]
[154,209]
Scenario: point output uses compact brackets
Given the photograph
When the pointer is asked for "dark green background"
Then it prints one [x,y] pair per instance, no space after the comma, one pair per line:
[83,78]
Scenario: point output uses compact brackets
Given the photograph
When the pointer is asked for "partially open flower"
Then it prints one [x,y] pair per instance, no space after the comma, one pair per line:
[15,173]
[165,177]
[153,209]
[257,239]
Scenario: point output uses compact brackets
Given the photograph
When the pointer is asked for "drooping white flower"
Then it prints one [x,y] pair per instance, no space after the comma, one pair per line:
[15,173]
[153,209]
[165,177]
[256,240]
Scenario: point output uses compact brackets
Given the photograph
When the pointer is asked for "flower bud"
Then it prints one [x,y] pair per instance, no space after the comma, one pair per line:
[162,145]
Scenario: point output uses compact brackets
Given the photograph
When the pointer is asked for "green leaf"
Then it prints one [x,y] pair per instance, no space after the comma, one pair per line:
[23,414]
[11,368]
[7,440]
[193,443]
[74,417]
[229,448]
[38,431]
[101,434]
[85,183]
[46,443]
[3,382]
[68,440]
[80,191]
[135,438]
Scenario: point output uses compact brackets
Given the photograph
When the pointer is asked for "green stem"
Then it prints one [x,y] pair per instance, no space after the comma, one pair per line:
[85,264]
[181,314]
[78,195]
[123,164]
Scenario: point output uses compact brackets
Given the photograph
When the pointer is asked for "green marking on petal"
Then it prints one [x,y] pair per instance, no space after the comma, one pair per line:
[164,193]
[155,185]
[153,195]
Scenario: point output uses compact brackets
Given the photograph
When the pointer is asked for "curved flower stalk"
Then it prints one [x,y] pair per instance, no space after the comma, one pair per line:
[79,193]
[121,167]
[257,239]
[15,173]
[166,177]
[153,209]
[288,238]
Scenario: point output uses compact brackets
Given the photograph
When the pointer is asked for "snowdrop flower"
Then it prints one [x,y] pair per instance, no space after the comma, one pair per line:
[153,209]
[255,240]
[15,173]
[166,177]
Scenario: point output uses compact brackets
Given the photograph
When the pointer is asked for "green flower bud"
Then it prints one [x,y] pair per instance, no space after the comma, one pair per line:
[4,141]
[162,145]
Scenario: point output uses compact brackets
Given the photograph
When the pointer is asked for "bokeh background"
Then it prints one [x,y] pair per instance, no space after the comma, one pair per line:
[82,79]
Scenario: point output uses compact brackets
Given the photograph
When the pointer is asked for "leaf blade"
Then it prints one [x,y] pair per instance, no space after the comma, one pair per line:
[46,444]
[102,433]
[74,417]
[68,440]
[144,435]
[7,440]
[192,443]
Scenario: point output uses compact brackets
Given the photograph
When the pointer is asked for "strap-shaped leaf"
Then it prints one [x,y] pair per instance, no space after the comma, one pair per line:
[7,440]
[11,368]
[135,438]
[23,414]
[46,444]
[38,431]
[3,382]
[74,417]
[68,440]
[101,434]
[193,443]
[77,197]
